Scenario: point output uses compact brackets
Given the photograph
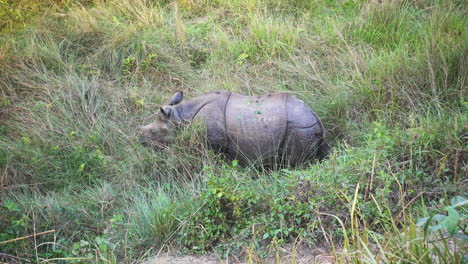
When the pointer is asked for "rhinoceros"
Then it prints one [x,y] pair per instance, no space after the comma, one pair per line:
[267,129]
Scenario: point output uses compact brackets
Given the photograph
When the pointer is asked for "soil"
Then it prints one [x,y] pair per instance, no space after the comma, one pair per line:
[303,256]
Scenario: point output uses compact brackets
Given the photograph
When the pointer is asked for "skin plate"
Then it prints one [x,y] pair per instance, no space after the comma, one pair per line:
[256,126]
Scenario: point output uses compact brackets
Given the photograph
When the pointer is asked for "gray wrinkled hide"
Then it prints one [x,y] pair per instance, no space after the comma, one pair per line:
[267,129]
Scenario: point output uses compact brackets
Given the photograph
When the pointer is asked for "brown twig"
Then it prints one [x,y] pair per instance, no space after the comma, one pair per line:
[24,237]
[369,187]
[410,202]
[4,255]
[406,206]
[455,169]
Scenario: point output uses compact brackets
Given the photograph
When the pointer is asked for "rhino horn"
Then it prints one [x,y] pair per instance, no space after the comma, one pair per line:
[176,98]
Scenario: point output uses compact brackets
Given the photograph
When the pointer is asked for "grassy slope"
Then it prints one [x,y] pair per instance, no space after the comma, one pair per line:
[387,77]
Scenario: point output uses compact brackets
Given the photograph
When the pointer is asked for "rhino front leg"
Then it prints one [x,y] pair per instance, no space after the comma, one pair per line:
[323,150]
[216,135]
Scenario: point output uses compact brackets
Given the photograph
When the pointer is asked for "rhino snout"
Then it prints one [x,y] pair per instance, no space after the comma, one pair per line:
[142,139]
[143,135]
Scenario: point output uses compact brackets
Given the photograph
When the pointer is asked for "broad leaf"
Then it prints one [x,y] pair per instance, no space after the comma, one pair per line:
[435,228]
[451,221]
[422,221]
[461,236]
[439,217]
[458,201]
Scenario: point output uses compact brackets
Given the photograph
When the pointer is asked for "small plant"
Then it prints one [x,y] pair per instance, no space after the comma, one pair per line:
[82,249]
[12,225]
[99,248]
[136,99]
[149,61]
[197,57]
[198,31]
[129,66]
[241,59]
[452,219]
[16,15]
[103,249]
[234,215]
[135,66]
[88,70]
[4,102]
[226,211]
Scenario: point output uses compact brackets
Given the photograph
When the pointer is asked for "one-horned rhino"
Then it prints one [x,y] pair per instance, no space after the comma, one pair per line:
[268,129]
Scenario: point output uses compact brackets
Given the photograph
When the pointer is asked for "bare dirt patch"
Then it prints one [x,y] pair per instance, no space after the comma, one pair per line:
[302,255]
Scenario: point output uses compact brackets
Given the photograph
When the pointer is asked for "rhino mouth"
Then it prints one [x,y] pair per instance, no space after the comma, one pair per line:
[144,141]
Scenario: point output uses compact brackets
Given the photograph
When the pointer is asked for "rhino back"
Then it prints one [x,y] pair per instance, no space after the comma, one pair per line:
[256,126]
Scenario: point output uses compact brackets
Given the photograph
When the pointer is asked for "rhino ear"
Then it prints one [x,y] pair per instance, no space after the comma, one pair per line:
[165,111]
[176,98]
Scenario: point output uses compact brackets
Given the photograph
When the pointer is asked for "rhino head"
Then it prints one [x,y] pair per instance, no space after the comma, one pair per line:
[161,132]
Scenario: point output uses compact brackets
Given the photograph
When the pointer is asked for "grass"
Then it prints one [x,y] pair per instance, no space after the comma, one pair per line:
[388,79]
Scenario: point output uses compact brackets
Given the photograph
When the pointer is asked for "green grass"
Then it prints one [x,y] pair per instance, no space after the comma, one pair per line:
[388,79]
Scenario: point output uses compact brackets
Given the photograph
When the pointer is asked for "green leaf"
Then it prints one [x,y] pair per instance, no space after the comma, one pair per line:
[461,236]
[103,247]
[435,228]
[10,205]
[458,201]
[439,217]
[451,221]
[422,221]
[81,168]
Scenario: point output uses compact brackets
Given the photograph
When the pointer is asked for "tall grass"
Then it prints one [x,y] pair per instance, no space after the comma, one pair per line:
[388,78]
